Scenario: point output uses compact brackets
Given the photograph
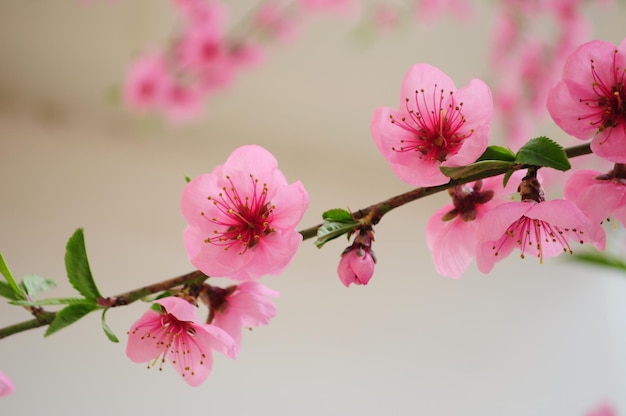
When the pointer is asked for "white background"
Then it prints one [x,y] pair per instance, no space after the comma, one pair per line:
[528,339]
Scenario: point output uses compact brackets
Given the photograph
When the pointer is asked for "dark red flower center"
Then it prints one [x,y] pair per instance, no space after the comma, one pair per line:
[242,220]
[436,127]
[465,200]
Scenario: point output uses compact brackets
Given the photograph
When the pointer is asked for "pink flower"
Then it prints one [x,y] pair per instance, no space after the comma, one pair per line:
[6,385]
[436,125]
[536,227]
[358,261]
[604,409]
[340,6]
[147,83]
[598,195]
[451,232]
[176,335]
[589,99]
[182,103]
[356,266]
[246,305]
[274,21]
[242,217]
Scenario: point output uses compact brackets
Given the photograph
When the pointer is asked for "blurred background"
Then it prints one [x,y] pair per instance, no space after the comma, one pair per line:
[528,339]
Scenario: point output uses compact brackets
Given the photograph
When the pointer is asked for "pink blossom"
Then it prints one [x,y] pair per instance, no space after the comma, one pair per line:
[6,385]
[358,260]
[246,305]
[436,125]
[589,100]
[242,217]
[147,83]
[202,12]
[451,232]
[599,195]
[334,6]
[536,227]
[604,409]
[182,103]
[176,335]
[276,23]
[356,266]
[202,50]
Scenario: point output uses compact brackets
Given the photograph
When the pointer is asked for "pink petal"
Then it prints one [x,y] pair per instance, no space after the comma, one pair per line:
[141,347]
[291,203]
[180,308]
[423,76]
[610,144]
[6,385]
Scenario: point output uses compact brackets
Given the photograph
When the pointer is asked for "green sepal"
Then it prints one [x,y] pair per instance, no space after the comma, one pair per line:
[338,214]
[4,269]
[542,151]
[497,153]
[34,284]
[77,266]
[187,179]
[6,291]
[507,176]
[68,316]
[53,301]
[330,230]
[107,331]
[475,168]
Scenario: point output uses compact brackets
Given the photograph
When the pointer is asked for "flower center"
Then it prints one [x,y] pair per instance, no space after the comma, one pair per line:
[531,234]
[609,105]
[242,220]
[436,127]
[465,200]
[173,337]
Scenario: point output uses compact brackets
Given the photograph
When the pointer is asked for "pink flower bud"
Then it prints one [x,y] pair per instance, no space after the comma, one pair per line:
[356,266]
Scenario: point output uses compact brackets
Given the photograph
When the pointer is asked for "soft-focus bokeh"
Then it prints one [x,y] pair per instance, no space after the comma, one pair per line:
[528,339]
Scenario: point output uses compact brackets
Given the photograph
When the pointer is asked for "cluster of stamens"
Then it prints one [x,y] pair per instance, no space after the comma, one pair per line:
[465,200]
[609,104]
[170,339]
[436,127]
[242,220]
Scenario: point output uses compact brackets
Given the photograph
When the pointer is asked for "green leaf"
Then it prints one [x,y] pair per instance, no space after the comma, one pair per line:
[6,291]
[53,301]
[77,266]
[601,259]
[4,269]
[69,315]
[338,214]
[333,229]
[187,179]
[541,151]
[110,335]
[34,284]
[475,168]
[497,153]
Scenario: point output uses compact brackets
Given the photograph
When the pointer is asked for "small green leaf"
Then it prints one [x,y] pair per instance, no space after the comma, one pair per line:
[53,301]
[475,168]
[34,284]
[338,214]
[68,316]
[187,179]
[601,259]
[110,335]
[6,291]
[4,269]
[77,266]
[497,153]
[541,151]
[333,229]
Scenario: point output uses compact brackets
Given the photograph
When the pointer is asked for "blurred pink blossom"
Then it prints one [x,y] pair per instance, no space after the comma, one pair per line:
[147,83]
[242,217]
[436,125]
[174,334]
[6,385]
[604,409]
[588,102]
